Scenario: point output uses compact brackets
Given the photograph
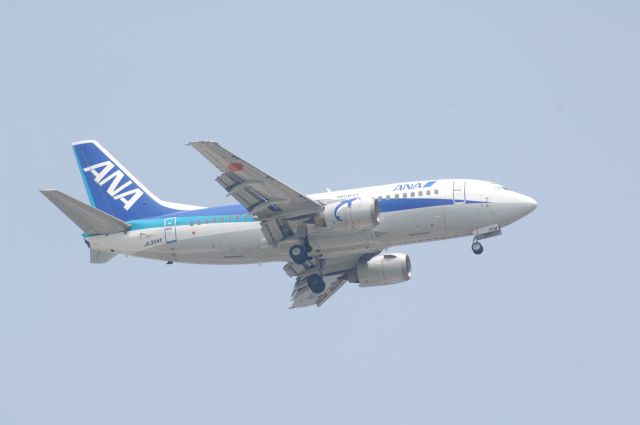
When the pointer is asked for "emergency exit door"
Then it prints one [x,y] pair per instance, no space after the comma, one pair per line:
[170,230]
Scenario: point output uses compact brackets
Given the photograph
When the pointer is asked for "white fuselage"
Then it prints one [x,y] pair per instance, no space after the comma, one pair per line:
[410,212]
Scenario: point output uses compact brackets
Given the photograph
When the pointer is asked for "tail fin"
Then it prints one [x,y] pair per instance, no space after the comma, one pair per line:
[114,190]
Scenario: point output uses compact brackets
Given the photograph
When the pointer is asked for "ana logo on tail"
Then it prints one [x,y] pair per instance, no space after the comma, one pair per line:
[115,190]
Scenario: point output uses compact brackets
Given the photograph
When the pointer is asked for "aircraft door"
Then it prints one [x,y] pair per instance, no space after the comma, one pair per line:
[459,192]
[170,230]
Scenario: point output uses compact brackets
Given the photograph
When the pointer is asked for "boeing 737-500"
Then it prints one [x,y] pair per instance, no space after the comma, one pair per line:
[326,239]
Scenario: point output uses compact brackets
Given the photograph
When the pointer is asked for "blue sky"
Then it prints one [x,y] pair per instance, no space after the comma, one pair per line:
[542,97]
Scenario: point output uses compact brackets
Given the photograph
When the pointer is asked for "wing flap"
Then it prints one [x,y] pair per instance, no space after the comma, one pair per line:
[334,272]
[302,296]
[275,230]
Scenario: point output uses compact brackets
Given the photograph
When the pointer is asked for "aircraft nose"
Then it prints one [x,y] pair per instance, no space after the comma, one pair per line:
[521,205]
[512,207]
[528,204]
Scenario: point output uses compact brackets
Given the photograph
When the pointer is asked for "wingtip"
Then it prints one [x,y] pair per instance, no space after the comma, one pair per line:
[200,142]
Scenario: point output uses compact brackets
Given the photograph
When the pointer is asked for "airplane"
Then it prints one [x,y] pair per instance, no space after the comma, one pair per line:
[326,239]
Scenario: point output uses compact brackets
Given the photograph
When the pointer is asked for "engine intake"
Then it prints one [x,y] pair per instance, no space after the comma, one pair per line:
[383,269]
[350,214]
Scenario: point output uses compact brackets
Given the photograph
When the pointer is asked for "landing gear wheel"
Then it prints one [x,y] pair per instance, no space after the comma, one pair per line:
[316,283]
[477,248]
[298,254]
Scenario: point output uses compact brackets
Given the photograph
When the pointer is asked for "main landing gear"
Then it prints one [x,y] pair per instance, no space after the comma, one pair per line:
[476,247]
[298,253]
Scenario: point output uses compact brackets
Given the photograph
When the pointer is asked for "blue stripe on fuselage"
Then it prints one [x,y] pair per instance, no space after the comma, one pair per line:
[223,210]
[238,213]
[223,214]
[400,204]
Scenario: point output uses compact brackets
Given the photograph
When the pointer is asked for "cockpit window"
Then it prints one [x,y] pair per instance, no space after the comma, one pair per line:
[500,187]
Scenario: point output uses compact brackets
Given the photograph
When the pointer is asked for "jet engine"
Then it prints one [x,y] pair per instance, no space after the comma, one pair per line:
[349,214]
[383,269]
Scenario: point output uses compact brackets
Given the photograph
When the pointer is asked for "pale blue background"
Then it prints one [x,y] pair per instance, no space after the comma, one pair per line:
[540,96]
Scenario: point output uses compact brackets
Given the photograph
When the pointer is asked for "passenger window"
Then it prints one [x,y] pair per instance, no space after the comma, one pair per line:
[435,192]
[191,224]
[404,195]
[199,222]
[420,193]
[397,195]
[413,194]
[230,218]
[428,193]
[206,221]
[238,218]
[388,196]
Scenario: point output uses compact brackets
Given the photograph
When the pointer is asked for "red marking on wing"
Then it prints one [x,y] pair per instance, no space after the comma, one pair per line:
[235,166]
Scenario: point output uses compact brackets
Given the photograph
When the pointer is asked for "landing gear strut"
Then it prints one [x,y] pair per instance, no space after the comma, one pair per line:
[316,283]
[484,233]
[298,254]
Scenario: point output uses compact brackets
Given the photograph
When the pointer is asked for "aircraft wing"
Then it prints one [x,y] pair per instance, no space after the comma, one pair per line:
[268,199]
[302,296]
[334,273]
[256,190]
[278,207]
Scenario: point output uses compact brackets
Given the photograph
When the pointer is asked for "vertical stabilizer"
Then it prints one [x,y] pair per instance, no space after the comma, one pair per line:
[114,190]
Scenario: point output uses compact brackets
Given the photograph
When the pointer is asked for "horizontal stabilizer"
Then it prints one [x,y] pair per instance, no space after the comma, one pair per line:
[91,220]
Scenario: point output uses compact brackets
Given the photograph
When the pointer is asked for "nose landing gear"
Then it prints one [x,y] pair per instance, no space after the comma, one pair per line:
[476,247]
[484,233]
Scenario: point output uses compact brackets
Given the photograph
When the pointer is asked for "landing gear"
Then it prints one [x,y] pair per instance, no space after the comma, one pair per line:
[477,248]
[298,254]
[316,283]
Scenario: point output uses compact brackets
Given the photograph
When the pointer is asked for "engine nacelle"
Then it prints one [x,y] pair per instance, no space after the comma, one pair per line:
[383,269]
[350,214]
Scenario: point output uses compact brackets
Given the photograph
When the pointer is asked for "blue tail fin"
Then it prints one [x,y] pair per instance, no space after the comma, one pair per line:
[113,189]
